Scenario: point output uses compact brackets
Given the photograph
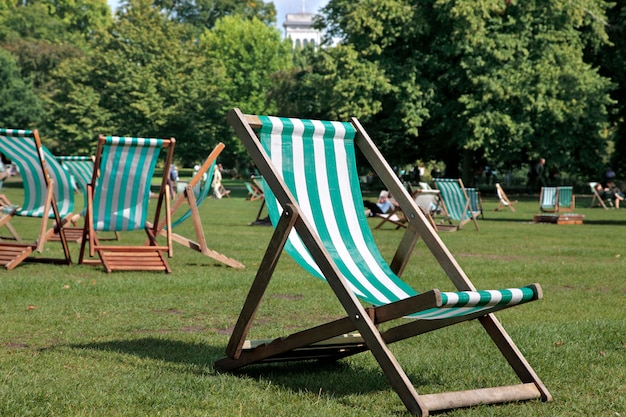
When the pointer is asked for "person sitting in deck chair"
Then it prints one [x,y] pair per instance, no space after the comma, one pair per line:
[384,204]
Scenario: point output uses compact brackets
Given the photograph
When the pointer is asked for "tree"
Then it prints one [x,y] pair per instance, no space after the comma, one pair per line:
[203,14]
[141,79]
[251,53]
[483,80]
[330,83]
[20,108]
[611,58]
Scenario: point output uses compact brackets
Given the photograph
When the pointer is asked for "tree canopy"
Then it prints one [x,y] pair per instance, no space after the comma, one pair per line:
[467,82]
[484,81]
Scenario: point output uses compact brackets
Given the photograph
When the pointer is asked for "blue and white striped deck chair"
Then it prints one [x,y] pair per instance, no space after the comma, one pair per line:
[117,201]
[314,198]
[196,191]
[548,200]
[455,201]
[47,195]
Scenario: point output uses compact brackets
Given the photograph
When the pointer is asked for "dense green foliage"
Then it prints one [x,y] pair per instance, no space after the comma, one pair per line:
[483,81]
[470,83]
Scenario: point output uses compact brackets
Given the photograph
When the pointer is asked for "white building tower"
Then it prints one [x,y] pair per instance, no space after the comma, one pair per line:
[299,28]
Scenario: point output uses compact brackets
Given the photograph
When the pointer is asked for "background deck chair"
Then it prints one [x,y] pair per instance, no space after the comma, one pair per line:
[81,170]
[5,204]
[567,199]
[476,202]
[315,203]
[257,180]
[596,199]
[48,195]
[549,200]
[254,192]
[194,194]
[455,202]
[503,200]
[117,201]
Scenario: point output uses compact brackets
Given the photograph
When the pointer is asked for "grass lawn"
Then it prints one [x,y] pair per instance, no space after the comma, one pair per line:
[75,341]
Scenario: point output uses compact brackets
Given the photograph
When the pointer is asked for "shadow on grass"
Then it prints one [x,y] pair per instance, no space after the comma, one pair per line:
[587,221]
[331,377]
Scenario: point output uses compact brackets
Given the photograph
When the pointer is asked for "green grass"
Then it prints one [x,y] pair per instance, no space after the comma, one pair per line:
[75,341]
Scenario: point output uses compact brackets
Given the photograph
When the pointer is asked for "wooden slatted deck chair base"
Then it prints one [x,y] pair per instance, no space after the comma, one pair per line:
[13,255]
[194,194]
[118,198]
[72,234]
[309,165]
[129,261]
[568,218]
[48,195]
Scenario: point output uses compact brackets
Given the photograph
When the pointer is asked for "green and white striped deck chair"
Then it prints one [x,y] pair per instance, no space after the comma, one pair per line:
[476,202]
[254,193]
[567,200]
[548,200]
[80,168]
[117,201]
[47,195]
[455,201]
[196,191]
[314,198]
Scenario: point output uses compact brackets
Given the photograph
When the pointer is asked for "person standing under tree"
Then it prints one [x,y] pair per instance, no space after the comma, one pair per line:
[537,175]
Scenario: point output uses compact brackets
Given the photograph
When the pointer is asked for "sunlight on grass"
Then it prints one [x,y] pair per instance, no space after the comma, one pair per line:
[77,341]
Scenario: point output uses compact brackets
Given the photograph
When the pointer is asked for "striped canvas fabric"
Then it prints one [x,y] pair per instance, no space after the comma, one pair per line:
[566,196]
[122,190]
[316,159]
[20,146]
[80,167]
[454,198]
[548,198]
[474,198]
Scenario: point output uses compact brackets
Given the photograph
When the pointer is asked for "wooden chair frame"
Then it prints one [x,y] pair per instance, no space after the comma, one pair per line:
[147,257]
[596,198]
[503,200]
[188,196]
[34,169]
[326,340]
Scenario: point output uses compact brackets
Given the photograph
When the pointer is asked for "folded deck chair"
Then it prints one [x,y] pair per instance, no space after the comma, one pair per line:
[315,203]
[117,201]
[455,202]
[503,200]
[194,194]
[597,199]
[48,195]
